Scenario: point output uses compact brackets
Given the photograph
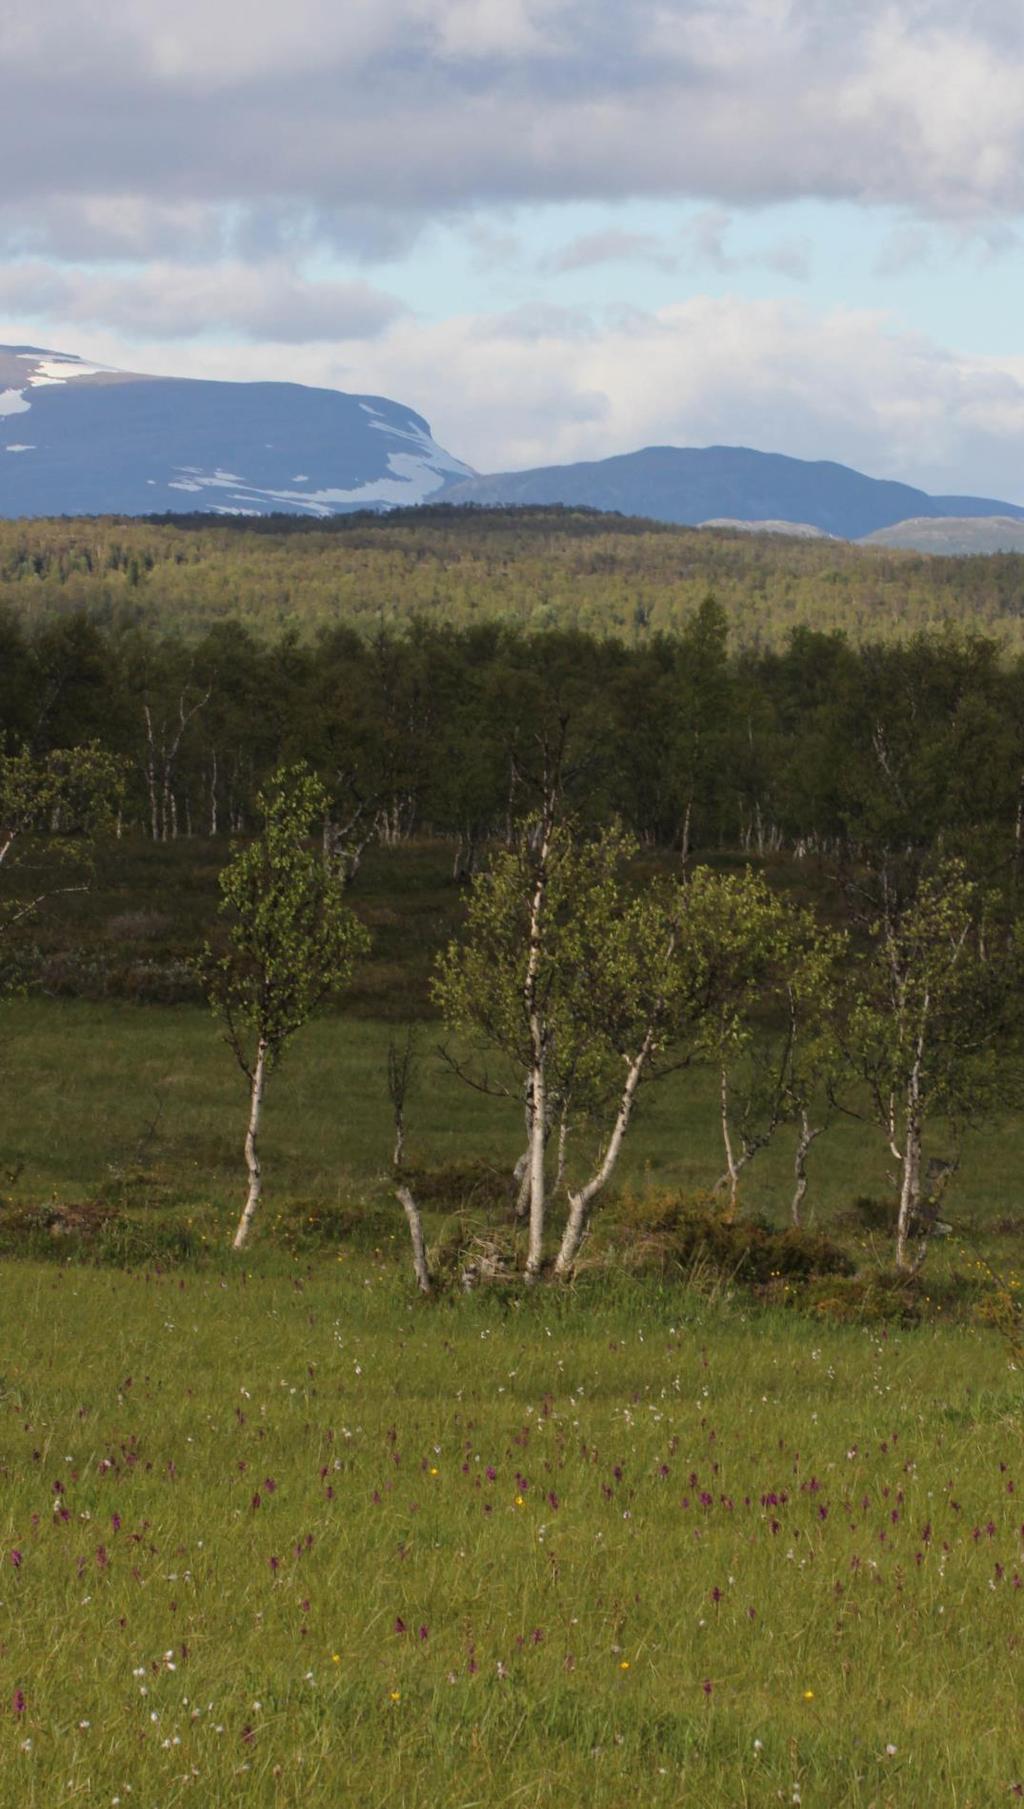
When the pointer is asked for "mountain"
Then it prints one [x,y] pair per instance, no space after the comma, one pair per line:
[715,483]
[78,439]
[953,534]
[81,439]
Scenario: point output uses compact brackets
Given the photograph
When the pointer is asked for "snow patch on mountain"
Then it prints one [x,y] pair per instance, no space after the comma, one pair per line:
[413,476]
[12,402]
[59,368]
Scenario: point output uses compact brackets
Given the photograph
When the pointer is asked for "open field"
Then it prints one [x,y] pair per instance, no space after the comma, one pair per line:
[283,1538]
[273,1530]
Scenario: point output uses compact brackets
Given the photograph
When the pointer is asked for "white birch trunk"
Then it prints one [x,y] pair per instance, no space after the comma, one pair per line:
[581,1204]
[419,1248]
[154,826]
[252,1159]
[910,1179]
[805,1138]
[732,1173]
[535,1246]
[910,1188]
[563,1140]
[538,1100]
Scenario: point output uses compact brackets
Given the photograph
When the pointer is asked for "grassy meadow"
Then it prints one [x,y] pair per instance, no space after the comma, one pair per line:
[290,1536]
[274,1530]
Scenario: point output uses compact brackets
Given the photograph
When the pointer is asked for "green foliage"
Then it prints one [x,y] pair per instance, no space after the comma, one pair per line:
[602,958]
[929,1004]
[693,741]
[292,939]
[534,567]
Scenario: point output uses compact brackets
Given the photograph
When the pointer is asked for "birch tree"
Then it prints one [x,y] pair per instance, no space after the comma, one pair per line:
[291,940]
[624,1015]
[765,972]
[928,1010]
[569,978]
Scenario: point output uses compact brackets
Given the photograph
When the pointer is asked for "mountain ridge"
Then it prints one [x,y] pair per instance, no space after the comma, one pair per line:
[691,486]
[83,438]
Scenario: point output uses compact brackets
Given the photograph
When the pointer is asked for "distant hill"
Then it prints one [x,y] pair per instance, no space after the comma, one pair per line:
[553,570]
[953,534]
[691,485]
[78,439]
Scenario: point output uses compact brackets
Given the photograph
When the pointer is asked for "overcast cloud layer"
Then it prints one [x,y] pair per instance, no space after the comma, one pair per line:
[221,188]
[320,118]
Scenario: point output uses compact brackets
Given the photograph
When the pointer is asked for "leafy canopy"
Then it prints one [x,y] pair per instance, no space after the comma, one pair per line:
[291,938]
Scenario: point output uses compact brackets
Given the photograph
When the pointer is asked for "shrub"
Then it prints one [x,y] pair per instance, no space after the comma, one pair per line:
[678,1230]
[876,1297]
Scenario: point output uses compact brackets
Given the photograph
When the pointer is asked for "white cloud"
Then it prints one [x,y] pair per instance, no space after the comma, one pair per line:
[167,300]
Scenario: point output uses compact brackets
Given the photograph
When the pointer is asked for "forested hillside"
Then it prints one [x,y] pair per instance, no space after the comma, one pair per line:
[537,569]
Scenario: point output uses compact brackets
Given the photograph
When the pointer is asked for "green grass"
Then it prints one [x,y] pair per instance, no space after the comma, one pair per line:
[133,931]
[102,1097]
[142,1107]
[699,1573]
[721,1559]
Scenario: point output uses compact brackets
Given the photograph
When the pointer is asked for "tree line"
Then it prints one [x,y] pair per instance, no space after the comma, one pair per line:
[817,747]
[549,761]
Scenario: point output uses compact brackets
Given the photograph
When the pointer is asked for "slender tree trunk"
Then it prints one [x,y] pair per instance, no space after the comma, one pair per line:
[522,1173]
[732,1173]
[252,1160]
[521,1183]
[684,840]
[154,827]
[910,1188]
[419,1248]
[581,1204]
[535,1247]
[538,1099]
[805,1138]
[563,1139]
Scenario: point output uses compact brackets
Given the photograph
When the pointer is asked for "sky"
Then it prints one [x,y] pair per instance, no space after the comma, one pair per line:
[560,229]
